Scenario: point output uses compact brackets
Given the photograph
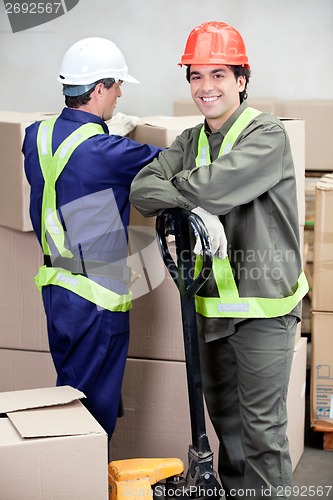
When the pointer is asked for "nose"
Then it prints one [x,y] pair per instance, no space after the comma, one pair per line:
[207,84]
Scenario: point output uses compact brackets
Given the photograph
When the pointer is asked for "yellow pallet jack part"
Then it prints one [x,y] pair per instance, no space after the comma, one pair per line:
[133,478]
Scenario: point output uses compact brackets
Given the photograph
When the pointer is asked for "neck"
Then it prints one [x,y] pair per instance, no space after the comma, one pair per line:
[90,108]
[216,123]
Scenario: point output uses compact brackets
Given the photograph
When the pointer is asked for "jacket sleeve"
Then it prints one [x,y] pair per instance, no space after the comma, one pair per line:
[251,168]
[125,157]
[152,189]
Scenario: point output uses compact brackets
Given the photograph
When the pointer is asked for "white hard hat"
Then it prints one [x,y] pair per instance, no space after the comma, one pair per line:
[93,59]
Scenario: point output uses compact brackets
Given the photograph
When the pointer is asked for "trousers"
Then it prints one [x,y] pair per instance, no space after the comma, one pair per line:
[89,348]
[245,384]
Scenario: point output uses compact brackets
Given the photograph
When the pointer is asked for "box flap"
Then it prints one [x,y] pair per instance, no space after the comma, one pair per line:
[70,419]
[173,122]
[290,119]
[19,117]
[325,183]
[38,398]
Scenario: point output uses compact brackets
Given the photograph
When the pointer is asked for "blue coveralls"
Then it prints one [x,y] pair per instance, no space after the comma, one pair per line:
[89,344]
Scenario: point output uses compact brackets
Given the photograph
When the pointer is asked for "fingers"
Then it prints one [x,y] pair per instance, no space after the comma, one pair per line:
[197,249]
[219,248]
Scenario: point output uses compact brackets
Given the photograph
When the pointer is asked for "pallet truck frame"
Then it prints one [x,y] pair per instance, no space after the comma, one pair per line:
[156,478]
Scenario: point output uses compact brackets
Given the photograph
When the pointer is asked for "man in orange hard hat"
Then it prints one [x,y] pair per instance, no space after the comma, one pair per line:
[236,172]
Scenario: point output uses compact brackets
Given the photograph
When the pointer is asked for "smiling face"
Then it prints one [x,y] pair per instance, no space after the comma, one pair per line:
[215,91]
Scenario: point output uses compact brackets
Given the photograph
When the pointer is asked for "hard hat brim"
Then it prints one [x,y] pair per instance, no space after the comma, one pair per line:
[131,79]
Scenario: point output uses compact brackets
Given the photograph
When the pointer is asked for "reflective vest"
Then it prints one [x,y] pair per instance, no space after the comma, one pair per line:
[52,165]
[229,304]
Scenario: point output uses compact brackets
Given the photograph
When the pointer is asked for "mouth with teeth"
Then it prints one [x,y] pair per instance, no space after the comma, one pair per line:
[210,99]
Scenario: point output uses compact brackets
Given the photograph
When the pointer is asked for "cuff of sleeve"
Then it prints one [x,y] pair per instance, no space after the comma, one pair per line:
[179,178]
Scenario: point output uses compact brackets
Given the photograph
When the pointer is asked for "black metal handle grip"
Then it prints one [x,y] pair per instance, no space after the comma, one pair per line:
[181,220]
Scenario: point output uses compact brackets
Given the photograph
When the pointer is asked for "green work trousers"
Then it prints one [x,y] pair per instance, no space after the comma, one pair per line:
[245,381]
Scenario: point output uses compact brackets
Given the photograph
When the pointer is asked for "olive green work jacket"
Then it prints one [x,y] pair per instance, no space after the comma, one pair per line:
[253,191]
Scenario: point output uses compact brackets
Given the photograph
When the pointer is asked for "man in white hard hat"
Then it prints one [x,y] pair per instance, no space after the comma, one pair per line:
[80,178]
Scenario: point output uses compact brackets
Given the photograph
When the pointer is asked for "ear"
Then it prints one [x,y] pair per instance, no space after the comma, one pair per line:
[99,90]
[241,83]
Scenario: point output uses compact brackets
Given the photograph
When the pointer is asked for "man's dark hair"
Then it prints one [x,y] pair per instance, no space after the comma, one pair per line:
[81,100]
[237,71]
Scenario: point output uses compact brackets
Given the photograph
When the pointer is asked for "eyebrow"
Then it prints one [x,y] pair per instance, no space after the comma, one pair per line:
[217,70]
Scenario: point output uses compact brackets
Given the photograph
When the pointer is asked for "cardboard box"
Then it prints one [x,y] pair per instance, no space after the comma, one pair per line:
[23,320]
[322,368]
[318,116]
[51,447]
[323,246]
[159,333]
[14,188]
[310,189]
[162,131]
[296,133]
[21,370]
[296,402]
[157,419]
[184,107]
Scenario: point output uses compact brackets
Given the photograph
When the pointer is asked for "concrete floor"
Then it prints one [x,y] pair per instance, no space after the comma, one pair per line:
[316,465]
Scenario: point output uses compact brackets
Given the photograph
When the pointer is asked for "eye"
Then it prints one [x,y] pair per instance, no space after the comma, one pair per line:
[194,77]
[218,75]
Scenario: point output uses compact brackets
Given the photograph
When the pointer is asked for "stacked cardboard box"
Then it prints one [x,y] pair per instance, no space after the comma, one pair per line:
[51,447]
[322,314]
[318,117]
[23,337]
[157,420]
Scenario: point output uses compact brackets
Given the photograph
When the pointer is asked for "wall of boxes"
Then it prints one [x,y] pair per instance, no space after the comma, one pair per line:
[25,361]
[156,421]
[322,313]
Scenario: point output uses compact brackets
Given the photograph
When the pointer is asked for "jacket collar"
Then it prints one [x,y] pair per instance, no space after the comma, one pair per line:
[82,117]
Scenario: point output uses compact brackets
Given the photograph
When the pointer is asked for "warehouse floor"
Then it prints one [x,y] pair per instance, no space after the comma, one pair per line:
[316,465]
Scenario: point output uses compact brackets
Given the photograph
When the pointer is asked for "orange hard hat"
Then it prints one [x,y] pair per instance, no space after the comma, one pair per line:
[215,43]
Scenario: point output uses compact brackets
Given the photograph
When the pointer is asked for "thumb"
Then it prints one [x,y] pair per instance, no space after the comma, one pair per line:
[197,249]
[222,251]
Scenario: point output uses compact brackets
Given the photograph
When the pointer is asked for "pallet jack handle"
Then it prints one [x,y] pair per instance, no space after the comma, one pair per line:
[180,219]
[183,224]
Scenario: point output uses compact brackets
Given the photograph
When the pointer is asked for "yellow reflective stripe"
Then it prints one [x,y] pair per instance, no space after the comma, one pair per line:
[44,146]
[240,124]
[60,158]
[229,304]
[203,157]
[52,166]
[251,307]
[84,287]
[53,226]
[44,136]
